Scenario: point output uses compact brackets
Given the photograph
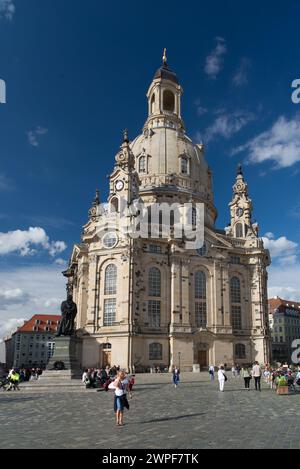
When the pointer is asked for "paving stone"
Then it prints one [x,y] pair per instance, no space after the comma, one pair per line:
[195,415]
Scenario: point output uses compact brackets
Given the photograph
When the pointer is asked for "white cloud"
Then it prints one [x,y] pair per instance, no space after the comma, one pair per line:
[9,326]
[214,62]
[5,183]
[34,136]
[60,261]
[12,296]
[56,247]
[281,249]
[240,78]
[227,125]
[200,109]
[279,144]
[42,287]
[7,9]
[284,282]
[23,242]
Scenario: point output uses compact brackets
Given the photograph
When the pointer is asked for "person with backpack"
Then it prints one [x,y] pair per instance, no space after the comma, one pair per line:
[222,377]
[211,372]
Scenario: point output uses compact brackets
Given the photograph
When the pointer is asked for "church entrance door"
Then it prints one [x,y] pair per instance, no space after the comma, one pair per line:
[106,358]
[202,358]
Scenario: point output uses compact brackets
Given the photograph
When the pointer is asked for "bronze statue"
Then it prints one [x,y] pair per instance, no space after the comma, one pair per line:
[69,312]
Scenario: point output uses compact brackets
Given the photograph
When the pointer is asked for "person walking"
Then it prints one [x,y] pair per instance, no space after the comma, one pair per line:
[120,399]
[222,377]
[211,372]
[176,373]
[246,374]
[233,371]
[256,373]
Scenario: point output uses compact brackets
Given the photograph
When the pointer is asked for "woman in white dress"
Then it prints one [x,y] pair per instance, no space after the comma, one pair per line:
[222,377]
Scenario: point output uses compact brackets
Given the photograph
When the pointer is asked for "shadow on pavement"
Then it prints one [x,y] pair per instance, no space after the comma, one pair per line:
[178,417]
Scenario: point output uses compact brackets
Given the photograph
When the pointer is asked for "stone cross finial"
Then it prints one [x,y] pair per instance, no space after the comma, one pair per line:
[125,136]
[239,171]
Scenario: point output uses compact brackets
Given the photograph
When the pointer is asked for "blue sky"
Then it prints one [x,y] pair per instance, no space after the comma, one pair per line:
[76,75]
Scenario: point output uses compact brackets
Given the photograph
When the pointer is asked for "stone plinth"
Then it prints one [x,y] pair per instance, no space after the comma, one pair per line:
[67,351]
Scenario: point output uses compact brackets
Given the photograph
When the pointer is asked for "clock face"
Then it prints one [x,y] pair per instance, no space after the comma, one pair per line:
[239,212]
[119,185]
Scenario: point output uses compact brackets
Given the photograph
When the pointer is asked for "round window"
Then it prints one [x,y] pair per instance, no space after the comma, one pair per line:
[110,240]
[202,251]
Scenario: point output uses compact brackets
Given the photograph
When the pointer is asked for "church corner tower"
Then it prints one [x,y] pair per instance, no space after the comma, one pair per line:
[145,300]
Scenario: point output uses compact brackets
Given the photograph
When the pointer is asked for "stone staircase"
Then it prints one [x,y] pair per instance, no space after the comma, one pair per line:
[56,381]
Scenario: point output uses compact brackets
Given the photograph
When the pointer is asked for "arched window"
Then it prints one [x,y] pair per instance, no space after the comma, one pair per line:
[154,282]
[200,299]
[239,230]
[155,351]
[168,101]
[184,165]
[110,282]
[200,285]
[235,299]
[240,351]
[153,103]
[114,205]
[194,217]
[235,290]
[142,164]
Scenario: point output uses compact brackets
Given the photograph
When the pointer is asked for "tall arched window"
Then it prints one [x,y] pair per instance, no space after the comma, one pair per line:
[184,165]
[200,299]
[235,290]
[143,164]
[235,299]
[155,351]
[153,103]
[240,351]
[114,205]
[239,230]
[154,290]
[168,101]
[154,282]
[110,284]
[110,289]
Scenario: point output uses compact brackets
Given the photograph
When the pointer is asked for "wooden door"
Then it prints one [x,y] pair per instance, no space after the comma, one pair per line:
[202,358]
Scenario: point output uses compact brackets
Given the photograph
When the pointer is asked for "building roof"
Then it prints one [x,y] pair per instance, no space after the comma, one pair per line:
[29,326]
[165,73]
[275,303]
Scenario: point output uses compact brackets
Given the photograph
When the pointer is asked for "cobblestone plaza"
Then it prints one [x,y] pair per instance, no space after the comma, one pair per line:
[195,415]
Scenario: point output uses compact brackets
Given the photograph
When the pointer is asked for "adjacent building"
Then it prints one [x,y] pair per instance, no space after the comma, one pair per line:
[32,345]
[153,301]
[284,320]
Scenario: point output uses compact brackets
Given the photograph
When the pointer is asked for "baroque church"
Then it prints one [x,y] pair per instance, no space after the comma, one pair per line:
[148,302]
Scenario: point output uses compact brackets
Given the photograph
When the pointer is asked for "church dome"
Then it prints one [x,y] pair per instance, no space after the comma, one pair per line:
[165,73]
[166,159]
[168,162]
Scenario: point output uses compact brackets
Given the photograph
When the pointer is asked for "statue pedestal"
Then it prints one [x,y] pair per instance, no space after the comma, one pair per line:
[67,356]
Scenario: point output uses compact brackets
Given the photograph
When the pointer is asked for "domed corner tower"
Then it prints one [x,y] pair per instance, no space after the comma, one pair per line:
[151,301]
[170,166]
